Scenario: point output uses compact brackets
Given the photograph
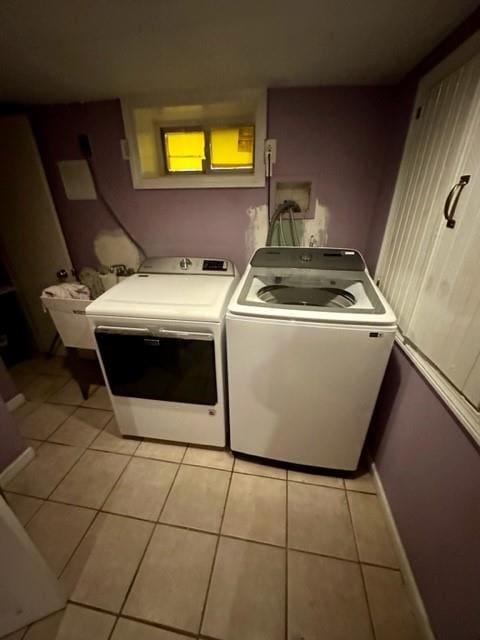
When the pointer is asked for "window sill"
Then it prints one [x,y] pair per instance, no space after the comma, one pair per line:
[465,413]
[200,182]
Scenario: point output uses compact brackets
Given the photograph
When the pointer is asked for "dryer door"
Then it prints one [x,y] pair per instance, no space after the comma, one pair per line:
[176,366]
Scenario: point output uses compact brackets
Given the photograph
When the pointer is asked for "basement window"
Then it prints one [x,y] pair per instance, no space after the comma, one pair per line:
[218,149]
[184,151]
[231,149]
[197,141]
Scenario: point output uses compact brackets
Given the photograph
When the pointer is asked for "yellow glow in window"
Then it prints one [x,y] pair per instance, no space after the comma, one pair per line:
[184,150]
[232,148]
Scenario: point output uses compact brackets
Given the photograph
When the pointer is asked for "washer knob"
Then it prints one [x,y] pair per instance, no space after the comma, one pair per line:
[185,263]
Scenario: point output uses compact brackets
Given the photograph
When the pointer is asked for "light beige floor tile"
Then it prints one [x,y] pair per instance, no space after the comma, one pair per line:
[110,439]
[259,469]
[56,529]
[41,364]
[171,584]
[161,451]
[16,635]
[315,478]
[44,420]
[129,630]
[24,410]
[142,489]
[247,592]
[79,623]
[82,427]
[103,566]
[51,366]
[319,521]
[326,599]
[45,629]
[256,509]
[215,458]
[33,443]
[23,365]
[99,399]
[361,481]
[24,507]
[69,394]
[43,386]
[22,378]
[197,498]
[91,479]
[41,476]
[373,538]
[392,613]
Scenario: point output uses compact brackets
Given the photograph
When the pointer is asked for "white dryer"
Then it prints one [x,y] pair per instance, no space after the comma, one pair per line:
[160,339]
[308,340]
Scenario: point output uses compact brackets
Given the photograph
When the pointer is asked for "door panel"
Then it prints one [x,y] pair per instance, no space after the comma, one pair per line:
[159,368]
[445,325]
[430,164]
[30,233]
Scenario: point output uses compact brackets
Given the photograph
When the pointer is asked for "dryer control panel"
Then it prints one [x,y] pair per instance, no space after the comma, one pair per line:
[189,266]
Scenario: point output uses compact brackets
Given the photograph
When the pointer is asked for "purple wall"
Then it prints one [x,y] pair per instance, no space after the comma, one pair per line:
[335,135]
[166,222]
[398,128]
[430,470]
[339,137]
[7,386]
[11,442]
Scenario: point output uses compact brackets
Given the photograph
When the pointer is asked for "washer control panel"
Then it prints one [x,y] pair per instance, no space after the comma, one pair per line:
[215,265]
[325,258]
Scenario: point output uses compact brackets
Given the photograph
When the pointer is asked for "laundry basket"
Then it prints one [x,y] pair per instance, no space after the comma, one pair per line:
[69,318]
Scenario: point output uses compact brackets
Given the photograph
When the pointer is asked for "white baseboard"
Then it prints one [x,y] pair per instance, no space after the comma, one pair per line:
[16,466]
[15,402]
[405,567]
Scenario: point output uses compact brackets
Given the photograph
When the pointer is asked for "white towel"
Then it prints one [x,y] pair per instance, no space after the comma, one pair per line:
[72,290]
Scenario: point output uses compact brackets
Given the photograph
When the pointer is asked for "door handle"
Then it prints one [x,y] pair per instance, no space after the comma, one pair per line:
[452,201]
[184,335]
[137,331]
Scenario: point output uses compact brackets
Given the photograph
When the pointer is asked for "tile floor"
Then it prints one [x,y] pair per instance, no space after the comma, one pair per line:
[156,541]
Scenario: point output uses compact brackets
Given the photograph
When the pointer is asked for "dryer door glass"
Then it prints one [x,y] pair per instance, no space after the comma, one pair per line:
[175,366]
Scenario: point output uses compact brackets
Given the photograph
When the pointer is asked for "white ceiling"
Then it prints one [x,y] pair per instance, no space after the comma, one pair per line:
[65,50]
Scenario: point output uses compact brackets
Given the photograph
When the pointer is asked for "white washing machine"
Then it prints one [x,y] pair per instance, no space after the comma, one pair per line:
[160,338]
[308,340]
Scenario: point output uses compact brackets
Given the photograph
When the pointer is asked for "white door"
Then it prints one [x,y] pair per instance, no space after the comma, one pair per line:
[445,325]
[429,168]
[30,233]
[28,587]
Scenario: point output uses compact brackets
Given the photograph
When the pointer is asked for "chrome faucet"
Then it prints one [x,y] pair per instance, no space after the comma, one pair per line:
[185,263]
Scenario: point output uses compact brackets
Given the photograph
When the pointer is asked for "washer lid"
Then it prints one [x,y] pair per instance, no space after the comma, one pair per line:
[167,296]
[346,297]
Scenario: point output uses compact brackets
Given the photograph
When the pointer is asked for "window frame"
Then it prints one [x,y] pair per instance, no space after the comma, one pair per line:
[207,162]
[227,170]
[231,109]
[163,149]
